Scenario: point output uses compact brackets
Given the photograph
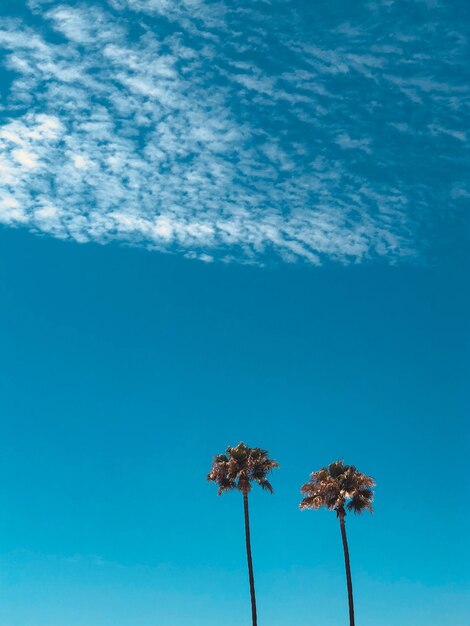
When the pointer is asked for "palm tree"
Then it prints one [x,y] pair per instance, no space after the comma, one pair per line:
[339,487]
[237,469]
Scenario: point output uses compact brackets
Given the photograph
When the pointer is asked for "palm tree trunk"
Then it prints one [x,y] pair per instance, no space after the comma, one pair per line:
[348,568]
[249,559]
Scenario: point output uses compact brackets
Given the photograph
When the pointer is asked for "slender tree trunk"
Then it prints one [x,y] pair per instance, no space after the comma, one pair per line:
[250,560]
[348,568]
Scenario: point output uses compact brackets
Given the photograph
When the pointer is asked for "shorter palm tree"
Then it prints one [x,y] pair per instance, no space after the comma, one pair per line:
[339,487]
[237,469]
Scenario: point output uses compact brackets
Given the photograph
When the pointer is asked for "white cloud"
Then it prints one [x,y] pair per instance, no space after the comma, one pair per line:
[25,158]
[11,211]
[173,140]
[345,142]
[80,161]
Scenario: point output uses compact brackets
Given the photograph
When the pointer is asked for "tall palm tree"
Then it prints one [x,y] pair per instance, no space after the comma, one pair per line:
[237,469]
[339,487]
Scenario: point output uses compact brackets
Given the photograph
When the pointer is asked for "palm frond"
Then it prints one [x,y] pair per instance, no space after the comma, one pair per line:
[338,487]
[240,466]
[265,484]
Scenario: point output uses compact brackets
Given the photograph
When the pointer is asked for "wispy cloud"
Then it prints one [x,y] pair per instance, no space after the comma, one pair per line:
[229,132]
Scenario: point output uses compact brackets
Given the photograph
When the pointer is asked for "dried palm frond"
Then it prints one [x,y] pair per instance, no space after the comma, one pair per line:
[338,487]
[239,467]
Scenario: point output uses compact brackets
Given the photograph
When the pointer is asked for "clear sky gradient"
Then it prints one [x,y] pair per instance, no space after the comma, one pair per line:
[124,371]
[225,221]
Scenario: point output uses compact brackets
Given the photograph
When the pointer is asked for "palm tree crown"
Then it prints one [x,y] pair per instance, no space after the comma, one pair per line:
[239,467]
[338,487]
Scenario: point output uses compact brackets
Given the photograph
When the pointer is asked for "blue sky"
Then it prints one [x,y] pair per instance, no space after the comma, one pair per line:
[124,371]
[282,189]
